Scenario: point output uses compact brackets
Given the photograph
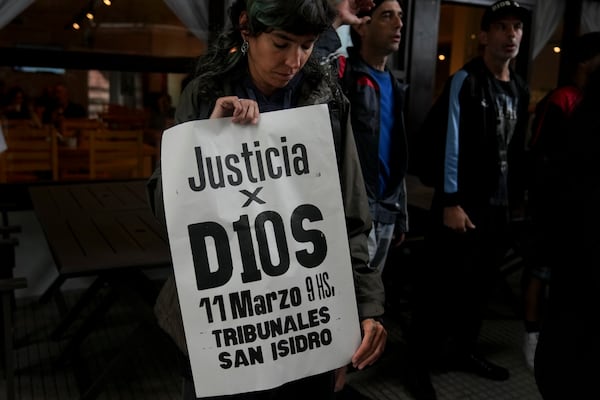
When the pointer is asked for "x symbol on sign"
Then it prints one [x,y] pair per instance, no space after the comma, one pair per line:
[252,197]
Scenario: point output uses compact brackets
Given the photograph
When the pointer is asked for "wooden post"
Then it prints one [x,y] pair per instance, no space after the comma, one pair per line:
[421,74]
[571,28]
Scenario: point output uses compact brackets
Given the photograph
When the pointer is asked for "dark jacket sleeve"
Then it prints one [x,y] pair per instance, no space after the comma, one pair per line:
[166,309]
[518,157]
[368,283]
[328,42]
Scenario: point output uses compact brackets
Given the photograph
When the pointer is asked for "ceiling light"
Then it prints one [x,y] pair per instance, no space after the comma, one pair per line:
[76,26]
[107,2]
[556,49]
[89,15]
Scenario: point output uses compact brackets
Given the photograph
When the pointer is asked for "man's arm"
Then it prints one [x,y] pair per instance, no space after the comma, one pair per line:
[455,217]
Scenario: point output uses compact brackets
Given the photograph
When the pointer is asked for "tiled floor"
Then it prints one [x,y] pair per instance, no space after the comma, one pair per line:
[501,340]
[150,372]
[147,369]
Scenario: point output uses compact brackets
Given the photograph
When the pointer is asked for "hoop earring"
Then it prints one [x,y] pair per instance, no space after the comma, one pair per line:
[244,48]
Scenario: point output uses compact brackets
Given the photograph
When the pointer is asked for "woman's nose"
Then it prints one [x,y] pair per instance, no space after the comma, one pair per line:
[294,58]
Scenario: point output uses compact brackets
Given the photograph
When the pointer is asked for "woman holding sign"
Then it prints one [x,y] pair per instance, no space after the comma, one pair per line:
[263,63]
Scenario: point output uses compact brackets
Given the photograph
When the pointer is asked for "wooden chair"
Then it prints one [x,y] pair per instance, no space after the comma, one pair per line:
[125,119]
[31,154]
[76,127]
[17,123]
[116,153]
[74,158]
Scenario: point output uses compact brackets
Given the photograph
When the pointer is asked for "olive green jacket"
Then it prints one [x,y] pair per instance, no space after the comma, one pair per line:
[317,87]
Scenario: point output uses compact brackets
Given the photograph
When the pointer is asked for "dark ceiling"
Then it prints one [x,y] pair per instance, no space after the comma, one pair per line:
[47,23]
[120,36]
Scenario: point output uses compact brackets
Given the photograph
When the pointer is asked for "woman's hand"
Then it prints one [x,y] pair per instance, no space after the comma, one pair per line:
[242,111]
[372,345]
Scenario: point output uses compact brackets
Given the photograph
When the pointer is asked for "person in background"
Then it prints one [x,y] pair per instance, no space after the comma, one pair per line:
[161,110]
[262,62]
[550,124]
[16,106]
[377,104]
[480,121]
[373,91]
[566,360]
[38,108]
[60,106]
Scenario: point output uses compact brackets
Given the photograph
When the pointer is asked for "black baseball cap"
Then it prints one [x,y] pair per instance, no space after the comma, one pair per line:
[501,9]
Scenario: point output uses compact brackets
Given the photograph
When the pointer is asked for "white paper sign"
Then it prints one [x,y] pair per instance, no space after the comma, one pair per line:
[260,250]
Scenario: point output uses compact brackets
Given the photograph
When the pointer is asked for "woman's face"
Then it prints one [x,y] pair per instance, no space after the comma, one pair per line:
[274,58]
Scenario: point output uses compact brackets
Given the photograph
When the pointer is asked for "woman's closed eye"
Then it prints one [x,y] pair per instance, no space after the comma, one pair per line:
[282,46]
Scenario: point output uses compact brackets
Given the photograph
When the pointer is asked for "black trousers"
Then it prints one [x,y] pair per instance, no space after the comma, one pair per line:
[315,387]
[453,285]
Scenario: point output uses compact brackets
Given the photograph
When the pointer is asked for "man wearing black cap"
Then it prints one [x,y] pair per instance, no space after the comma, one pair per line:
[477,130]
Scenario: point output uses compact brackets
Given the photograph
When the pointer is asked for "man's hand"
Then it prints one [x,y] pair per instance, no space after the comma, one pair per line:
[398,239]
[340,378]
[457,219]
[372,345]
[348,9]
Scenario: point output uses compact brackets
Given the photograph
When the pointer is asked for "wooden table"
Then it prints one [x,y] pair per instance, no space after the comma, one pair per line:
[97,227]
[105,230]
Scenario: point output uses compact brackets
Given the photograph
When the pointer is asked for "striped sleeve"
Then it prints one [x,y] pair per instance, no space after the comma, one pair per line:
[452,136]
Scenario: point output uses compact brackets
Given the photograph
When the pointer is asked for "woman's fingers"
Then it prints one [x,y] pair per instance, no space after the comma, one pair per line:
[242,111]
[245,112]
